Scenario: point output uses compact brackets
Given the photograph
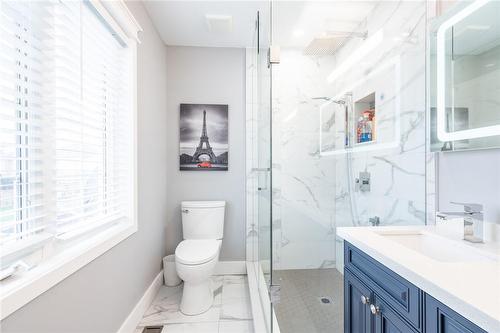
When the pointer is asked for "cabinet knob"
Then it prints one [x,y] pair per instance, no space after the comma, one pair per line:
[374,309]
[365,300]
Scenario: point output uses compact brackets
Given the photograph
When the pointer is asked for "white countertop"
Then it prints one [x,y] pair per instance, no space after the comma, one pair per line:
[471,288]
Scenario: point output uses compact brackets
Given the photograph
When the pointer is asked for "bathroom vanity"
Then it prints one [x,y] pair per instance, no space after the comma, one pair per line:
[394,283]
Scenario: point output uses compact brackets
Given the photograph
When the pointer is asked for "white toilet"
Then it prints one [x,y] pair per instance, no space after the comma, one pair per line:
[197,255]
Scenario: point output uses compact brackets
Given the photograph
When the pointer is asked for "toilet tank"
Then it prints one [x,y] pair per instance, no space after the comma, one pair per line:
[203,219]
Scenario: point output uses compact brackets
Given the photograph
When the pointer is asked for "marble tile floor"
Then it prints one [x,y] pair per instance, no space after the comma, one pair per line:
[231,312]
[301,309]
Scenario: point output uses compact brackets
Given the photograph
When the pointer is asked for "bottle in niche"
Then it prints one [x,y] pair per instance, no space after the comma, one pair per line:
[366,128]
[359,130]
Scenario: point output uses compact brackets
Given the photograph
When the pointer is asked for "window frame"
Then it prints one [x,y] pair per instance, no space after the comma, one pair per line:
[19,289]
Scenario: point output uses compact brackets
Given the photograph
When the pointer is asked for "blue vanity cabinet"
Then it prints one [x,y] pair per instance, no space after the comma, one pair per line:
[357,297]
[441,319]
[377,300]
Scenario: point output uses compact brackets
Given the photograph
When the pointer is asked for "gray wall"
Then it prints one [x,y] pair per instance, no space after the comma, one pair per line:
[208,76]
[470,176]
[99,297]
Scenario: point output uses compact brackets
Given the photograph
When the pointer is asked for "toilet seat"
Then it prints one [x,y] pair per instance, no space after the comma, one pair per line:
[197,251]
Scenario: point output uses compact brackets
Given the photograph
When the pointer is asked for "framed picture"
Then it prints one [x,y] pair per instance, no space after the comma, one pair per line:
[203,143]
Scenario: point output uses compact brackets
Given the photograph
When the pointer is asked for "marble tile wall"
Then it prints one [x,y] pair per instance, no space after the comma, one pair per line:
[303,181]
[318,190]
[396,161]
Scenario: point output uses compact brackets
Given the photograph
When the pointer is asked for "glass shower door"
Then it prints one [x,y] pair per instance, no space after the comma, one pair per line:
[261,189]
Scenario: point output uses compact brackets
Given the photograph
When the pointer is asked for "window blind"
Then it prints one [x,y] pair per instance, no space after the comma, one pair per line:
[22,204]
[66,121]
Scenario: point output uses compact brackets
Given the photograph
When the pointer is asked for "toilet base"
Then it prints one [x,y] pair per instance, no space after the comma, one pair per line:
[196,297]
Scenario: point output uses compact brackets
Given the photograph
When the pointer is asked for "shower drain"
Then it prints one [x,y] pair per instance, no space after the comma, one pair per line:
[152,329]
[325,300]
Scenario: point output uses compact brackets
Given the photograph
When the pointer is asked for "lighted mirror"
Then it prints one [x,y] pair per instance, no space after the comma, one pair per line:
[465,77]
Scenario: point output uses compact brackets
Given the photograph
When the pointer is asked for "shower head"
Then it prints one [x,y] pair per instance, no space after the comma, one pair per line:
[331,42]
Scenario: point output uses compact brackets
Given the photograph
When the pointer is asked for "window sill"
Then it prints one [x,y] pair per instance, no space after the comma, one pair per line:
[18,290]
[25,246]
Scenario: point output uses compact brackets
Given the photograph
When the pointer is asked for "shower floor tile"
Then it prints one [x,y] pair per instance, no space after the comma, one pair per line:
[301,308]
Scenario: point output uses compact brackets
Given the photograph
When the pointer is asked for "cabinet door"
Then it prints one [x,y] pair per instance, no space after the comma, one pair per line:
[357,297]
[404,297]
[387,320]
[441,319]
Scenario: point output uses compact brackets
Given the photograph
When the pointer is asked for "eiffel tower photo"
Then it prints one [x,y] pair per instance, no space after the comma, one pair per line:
[199,151]
[207,150]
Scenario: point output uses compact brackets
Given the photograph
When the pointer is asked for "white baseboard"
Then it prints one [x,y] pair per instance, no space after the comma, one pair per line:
[133,319]
[230,268]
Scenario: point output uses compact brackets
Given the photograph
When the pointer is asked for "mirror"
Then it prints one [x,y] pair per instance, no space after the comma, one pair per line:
[465,77]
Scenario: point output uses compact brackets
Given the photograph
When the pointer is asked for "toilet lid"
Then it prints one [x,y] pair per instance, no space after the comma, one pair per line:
[196,251]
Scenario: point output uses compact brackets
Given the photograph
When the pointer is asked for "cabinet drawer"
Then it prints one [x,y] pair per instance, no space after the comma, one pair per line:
[441,319]
[401,295]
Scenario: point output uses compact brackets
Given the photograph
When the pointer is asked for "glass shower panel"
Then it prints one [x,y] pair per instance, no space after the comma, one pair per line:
[259,190]
[348,142]
[264,160]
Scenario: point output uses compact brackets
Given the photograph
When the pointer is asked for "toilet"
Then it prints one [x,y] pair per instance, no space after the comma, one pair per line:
[197,255]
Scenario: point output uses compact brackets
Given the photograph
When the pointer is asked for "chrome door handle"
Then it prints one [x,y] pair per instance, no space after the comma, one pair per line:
[365,300]
[374,309]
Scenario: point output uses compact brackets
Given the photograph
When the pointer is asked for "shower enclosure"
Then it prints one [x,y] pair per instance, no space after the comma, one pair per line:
[335,138]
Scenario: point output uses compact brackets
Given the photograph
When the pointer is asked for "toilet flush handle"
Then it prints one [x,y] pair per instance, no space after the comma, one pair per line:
[185,211]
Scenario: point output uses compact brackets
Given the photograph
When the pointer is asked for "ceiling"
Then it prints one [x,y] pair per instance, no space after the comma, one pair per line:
[184,23]
[296,23]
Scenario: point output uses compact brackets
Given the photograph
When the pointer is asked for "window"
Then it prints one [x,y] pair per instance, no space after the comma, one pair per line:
[67,137]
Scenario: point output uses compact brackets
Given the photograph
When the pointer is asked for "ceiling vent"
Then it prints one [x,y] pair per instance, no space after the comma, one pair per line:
[219,23]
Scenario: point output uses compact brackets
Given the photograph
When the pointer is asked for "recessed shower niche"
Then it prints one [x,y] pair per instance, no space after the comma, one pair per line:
[366,117]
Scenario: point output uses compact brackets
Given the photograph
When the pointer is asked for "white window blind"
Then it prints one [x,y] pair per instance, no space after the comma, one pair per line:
[66,121]
[22,206]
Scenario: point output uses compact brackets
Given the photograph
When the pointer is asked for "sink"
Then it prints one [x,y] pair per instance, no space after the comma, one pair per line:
[436,247]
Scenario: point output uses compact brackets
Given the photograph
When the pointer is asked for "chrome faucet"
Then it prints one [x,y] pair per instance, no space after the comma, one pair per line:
[473,221]
[375,221]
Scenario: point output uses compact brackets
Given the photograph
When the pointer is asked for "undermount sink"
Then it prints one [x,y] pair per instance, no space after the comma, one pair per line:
[436,247]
